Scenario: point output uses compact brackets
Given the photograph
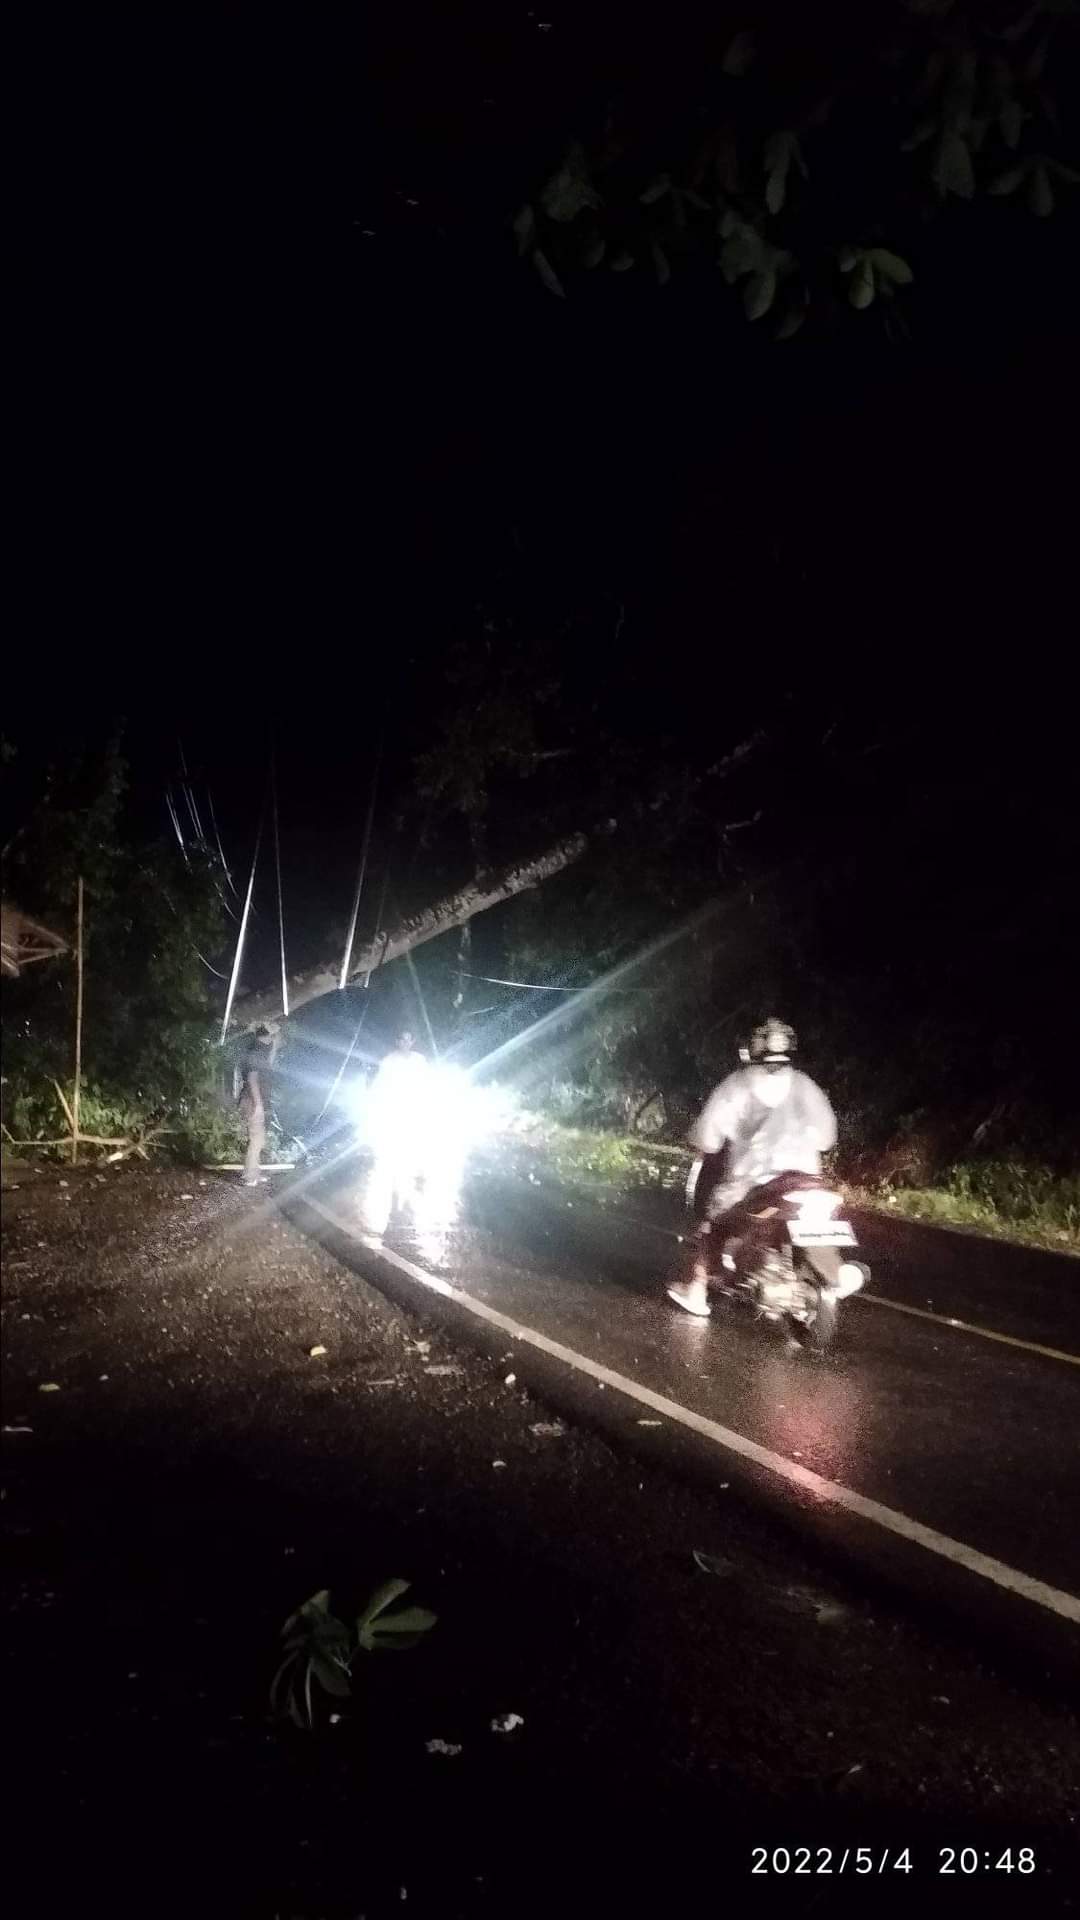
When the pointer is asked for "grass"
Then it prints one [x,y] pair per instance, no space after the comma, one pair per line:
[1009,1200]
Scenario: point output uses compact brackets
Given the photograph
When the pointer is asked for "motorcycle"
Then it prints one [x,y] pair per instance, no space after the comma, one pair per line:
[785,1252]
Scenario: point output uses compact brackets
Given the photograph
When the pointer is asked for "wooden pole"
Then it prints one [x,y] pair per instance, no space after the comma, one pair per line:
[78,1032]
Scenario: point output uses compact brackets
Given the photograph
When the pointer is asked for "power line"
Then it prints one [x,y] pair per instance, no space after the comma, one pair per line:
[536,986]
[363,863]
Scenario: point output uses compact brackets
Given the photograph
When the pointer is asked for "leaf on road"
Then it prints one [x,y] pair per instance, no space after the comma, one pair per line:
[316,1353]
[49,1386]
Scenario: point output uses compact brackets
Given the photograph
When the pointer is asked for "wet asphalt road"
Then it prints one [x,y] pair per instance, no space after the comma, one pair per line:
[974,1437]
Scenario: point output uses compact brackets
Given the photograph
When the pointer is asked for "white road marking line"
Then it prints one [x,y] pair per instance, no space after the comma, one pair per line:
[967,1326]
[830,1492]
[879,1300]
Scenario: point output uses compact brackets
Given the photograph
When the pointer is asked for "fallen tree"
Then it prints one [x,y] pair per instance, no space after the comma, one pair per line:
[455,910]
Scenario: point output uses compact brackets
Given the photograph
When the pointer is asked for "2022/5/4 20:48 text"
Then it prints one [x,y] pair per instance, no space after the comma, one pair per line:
[944,1860]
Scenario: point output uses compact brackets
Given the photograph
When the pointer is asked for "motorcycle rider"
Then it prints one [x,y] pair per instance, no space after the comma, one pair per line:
[764,1119]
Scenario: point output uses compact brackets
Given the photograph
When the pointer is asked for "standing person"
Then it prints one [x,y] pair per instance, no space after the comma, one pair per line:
[256,1059]
[763,1120]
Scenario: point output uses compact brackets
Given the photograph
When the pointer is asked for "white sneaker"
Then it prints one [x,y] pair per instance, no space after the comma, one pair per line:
[693,1295]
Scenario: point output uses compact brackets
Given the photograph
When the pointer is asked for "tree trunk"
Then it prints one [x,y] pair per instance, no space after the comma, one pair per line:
[454,911]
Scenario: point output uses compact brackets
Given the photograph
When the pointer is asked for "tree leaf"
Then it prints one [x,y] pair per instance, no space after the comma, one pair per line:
[656,190]
[622,261]
[780,149]
[791,323]
[1011,122]
[759,293]
[1007,182]
[741,253]
[1063,172]
[524,224]
[548,274]
[330,1676]
[776,189]
[406,1620]
[278,1681]
[569,189]
[848,258]
[318,1605]
[919,136]
[382,1598]
[1033,69]
[861,289]
[892,266]
[594,252]
[661,263]
[729,223]
[1040,193]
[740,54]
[953,171]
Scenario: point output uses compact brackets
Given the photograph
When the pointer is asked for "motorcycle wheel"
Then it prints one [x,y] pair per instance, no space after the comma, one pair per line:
[819,1332]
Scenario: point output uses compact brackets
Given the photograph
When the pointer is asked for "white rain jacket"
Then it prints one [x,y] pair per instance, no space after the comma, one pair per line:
[771,1122]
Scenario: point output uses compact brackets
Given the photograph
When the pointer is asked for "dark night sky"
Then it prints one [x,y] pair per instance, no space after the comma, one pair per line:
[261,455]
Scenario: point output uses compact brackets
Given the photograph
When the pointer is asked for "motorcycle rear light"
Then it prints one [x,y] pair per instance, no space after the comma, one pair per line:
[814,1203]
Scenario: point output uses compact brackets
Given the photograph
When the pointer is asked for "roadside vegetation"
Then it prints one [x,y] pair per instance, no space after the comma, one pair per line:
[1018,1200]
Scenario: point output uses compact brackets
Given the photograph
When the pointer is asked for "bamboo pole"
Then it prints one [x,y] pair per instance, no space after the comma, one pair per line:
[78,1032]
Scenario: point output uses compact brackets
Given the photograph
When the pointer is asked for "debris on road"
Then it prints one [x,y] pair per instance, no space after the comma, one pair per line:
[548,1429]
[316,1353]
[49,1386]
[650,1423]
[440,1372]
[447,1747]
[30,1430]
[713,1563]
[511,1379]
[506,1722]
